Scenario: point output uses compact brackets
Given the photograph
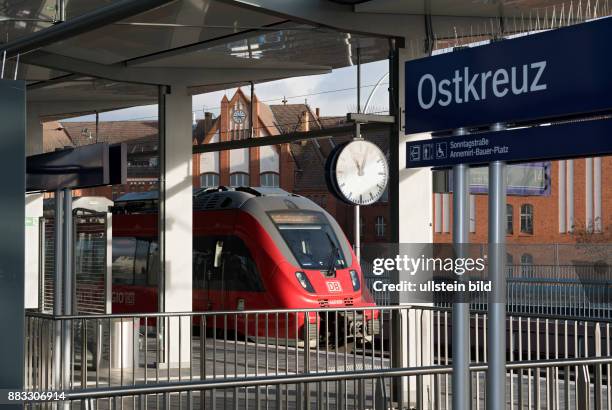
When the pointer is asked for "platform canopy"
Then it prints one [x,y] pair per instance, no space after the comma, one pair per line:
[208,45]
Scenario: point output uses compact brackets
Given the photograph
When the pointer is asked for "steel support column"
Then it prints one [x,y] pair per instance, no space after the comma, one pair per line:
[496,331]
[461,309]
[68,286]
[58,286]
[12,217]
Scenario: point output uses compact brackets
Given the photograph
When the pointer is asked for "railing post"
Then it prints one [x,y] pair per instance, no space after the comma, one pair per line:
[583,380]
[67,237]
[57,290]
[307,358]
[203,361]
[598,371]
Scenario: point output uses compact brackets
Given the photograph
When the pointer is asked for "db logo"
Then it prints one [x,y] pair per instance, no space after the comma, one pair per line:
[334,286]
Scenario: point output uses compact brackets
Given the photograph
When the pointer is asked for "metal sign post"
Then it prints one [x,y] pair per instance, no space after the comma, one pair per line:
[461,311]
[496,331]
[524,83]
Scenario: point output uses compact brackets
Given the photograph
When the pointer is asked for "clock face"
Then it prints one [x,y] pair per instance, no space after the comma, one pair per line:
[360,172]
[239,116]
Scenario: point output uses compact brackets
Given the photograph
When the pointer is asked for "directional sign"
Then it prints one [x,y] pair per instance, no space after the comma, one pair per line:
[569,140]
[551,74]
[81,167]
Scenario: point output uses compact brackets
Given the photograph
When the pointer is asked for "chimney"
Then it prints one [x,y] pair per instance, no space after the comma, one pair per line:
[304,125]
[317,112]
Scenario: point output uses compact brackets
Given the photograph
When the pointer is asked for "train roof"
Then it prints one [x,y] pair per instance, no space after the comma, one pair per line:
[257,201]
[204,198]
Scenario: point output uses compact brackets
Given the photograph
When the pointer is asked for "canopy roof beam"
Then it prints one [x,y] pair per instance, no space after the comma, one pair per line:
[169,75]
[87,22]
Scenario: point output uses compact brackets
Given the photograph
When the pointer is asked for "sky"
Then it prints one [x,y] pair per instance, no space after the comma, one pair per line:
[334,93]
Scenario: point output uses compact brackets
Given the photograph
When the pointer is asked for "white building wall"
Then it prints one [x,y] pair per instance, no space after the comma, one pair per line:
[597,216]
[562,197]
[239,160]
[268,159]
[209,161]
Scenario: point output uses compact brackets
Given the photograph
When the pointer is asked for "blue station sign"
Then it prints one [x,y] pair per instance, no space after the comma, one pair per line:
[569,140]
[555,73]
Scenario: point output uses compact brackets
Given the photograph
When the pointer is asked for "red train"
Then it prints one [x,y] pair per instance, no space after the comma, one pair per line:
[253,249]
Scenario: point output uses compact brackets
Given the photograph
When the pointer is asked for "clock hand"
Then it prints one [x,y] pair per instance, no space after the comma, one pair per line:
[357,165]
[365,155]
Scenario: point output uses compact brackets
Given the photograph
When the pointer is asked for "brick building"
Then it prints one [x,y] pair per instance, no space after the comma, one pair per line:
[295,167]
[548,202]
[558,206]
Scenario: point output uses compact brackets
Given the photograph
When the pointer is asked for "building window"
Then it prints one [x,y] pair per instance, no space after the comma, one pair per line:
[239,179]
[527,218]
[269,180]
[380,226]
[209,180]
[509,219]
[527,265]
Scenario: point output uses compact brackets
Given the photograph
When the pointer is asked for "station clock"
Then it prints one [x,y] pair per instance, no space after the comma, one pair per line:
[357,172]
[238,116]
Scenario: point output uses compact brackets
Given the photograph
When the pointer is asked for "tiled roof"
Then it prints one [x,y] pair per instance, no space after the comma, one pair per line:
[54,137]
[287,117]
[203,127]
[266,117]
[83,133]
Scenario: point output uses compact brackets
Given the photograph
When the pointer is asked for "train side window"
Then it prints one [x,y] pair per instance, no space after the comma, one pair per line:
[124,249]
[241,273]
[205,275]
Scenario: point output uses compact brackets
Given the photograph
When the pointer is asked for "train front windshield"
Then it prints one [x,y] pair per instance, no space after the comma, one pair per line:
[310,238]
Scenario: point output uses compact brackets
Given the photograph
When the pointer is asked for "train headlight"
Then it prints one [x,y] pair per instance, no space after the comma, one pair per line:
[303,279]
[355,280]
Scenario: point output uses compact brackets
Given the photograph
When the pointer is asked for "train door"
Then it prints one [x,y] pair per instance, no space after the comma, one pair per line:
[243,287]
[208,272]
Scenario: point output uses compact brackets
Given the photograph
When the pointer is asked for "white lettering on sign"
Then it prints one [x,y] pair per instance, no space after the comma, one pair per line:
[465,87]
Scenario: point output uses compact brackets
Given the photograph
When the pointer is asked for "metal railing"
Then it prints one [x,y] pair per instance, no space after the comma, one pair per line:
[561,391]
[112,351]
[565,290]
